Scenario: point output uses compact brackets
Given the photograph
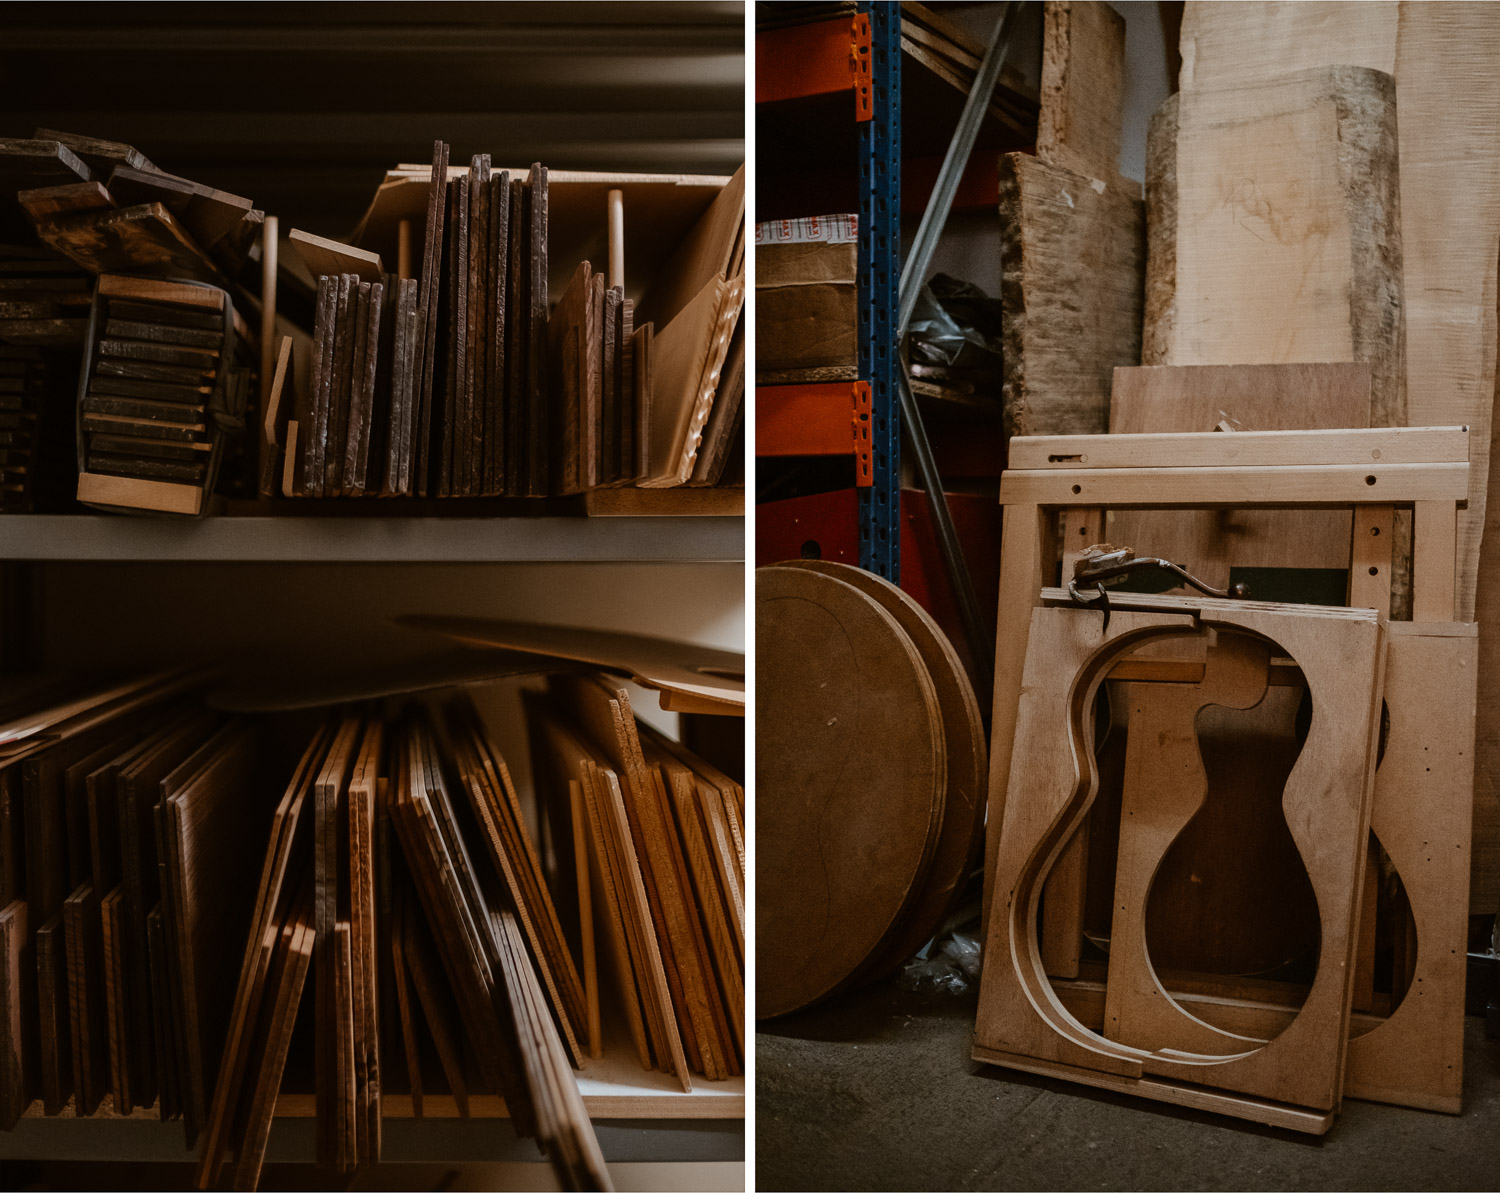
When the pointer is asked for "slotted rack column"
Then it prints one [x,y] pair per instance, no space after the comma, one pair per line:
[879,285]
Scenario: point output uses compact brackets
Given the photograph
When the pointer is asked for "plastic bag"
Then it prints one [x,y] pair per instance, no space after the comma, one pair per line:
[945,964]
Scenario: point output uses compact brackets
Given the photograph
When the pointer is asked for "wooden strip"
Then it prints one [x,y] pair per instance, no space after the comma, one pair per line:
[1243,449]
[1434,557]
[324,256]
[1254,488]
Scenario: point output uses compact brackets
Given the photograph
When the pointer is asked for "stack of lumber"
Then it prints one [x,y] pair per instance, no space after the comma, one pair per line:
[459,377]
[658,842]
[104,206]
[164,376]
[175,884]
[23,390]
[402,877]
[953,55]
[44,298]
[869,798]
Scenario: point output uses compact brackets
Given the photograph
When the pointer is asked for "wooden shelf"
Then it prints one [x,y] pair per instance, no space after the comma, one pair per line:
[315,539]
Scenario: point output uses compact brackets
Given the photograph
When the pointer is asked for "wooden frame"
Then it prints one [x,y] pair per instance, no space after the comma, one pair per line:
[1295,1080]
[1413,1058]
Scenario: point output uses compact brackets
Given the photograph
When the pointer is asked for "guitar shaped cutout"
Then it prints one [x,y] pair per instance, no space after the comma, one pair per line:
[1165,789]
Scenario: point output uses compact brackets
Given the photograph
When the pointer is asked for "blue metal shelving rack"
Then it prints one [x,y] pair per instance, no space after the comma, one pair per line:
[879,285]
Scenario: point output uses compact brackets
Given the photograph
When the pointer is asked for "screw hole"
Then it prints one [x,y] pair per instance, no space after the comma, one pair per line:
[1078,488]
[1374,571]
[1369,480]
[1375,530]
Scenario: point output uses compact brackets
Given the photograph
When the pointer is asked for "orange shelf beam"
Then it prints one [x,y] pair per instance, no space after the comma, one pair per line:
[829,418]
[819,58]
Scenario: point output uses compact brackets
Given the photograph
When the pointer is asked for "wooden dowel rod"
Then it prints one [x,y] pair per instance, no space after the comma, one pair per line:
[616,208]
[403,250]
[267,307]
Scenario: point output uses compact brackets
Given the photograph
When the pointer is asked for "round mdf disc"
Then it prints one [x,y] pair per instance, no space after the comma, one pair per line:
[850,779]
[962,833]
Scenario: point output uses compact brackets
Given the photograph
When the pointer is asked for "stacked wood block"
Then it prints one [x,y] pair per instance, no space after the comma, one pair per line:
[164,377]
[44,298]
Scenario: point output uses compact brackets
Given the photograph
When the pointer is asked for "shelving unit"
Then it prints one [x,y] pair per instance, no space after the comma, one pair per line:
[656,88]
[99,538]
[860,55]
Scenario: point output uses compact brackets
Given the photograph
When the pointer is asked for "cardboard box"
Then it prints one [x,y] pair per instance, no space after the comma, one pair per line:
[806,294]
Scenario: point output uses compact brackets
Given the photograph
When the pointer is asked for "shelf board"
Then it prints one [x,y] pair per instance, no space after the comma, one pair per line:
[314,539]
[638,1115]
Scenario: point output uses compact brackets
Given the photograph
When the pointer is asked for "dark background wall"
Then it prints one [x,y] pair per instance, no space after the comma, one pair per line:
[303,107]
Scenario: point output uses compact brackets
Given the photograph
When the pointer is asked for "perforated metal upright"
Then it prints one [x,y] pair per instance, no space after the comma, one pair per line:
[879,285]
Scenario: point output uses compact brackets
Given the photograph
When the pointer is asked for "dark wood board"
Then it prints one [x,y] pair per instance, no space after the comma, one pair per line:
[362,390]
[538,425]
[29,163]
[420,481]
[147,240]
[98,154]
[516,343]
[498,264]
[567,333]
[209,215]
[49,202]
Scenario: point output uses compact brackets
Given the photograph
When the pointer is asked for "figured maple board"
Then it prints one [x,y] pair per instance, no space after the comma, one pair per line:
[1273,397]
[1327,807]
[851,781]
[1448,96]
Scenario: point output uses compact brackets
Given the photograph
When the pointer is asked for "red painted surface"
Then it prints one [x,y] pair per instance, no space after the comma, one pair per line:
[813,59]
[823,526]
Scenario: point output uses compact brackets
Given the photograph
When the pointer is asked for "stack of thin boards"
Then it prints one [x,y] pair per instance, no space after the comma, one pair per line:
[102,204]
[161,364]
[44,298]
[954,55]
[401,875]
[23,389]
[447,393]
[125,815]
[664,857]
[435,386]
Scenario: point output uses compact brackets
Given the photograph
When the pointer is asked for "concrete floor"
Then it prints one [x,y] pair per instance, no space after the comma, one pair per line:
[877,1091]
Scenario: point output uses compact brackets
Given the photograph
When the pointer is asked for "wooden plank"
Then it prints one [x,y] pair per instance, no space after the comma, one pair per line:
[324,256]
[1251,399]
[1301,264]
[1073,313]
[135,493]
[1389,445]
[1083,87]
[1332,485]
[147,239]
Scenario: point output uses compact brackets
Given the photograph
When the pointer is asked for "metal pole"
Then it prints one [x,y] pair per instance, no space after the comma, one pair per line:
[912,274]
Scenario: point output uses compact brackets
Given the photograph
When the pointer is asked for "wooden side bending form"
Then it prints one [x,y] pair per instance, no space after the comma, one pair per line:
[1414,1056]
